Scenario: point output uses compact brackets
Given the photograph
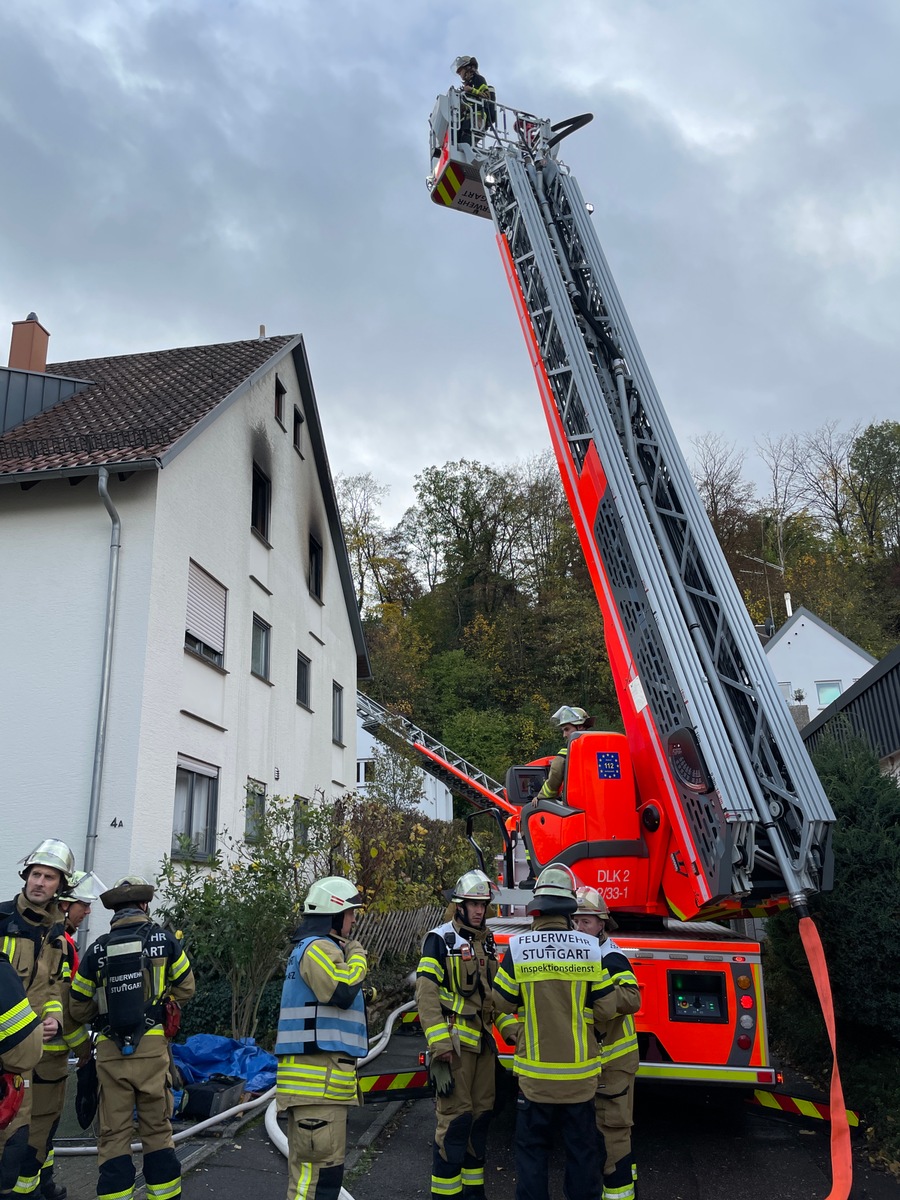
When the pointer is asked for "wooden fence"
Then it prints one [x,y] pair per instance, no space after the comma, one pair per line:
[400,932]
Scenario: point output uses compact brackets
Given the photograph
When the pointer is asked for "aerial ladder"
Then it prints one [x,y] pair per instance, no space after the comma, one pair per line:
[711,741]
[720,776]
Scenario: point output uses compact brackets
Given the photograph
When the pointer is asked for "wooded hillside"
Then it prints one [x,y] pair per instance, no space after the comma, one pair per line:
[481,618]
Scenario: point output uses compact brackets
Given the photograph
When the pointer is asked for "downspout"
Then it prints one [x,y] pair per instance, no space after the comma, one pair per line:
[106,670]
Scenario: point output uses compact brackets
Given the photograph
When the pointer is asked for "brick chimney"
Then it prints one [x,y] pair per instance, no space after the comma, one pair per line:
[28,345]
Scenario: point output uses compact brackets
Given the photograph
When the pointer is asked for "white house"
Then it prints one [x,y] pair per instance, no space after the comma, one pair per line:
[436,801]
[807,655]
[148,686]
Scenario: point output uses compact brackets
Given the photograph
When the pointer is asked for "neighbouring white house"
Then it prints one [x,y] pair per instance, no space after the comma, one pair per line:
[808,656]
[436,801]
[179,628]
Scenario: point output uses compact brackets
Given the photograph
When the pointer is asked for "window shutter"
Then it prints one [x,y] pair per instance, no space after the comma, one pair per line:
[206,608]
[198,767]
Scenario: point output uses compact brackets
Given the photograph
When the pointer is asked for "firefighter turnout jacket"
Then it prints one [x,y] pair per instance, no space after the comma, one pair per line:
[453,987]
[322,1024]
[49,1086]
[31,939]
[554,979]
[619,1047]
[135,961]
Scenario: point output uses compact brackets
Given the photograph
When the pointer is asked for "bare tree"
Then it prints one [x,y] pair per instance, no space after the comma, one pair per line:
[784,500]
[726,495]
[822,465]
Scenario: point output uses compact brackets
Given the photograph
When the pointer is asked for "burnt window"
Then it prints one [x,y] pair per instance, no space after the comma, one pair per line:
[315,567]
[261,503]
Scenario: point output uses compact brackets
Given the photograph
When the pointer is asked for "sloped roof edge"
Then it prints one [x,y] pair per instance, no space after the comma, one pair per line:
[317,441]
[804,613]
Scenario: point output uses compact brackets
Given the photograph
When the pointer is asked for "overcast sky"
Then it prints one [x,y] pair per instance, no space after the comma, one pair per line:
[176,173]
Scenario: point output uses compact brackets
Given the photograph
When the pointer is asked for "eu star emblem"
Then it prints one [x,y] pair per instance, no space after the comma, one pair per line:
[608,765]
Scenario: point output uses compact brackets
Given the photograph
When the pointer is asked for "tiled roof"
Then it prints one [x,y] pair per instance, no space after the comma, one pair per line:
[138,406]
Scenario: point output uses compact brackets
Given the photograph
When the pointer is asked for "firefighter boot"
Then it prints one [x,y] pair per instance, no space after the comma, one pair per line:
[50,1190]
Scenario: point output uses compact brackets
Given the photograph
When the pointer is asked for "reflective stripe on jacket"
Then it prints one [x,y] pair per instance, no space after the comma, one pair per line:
[455,991]
[554,978]
[620,1038]
[306,1025]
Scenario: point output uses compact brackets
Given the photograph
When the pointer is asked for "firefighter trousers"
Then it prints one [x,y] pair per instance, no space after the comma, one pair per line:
[615,1118]
[14,1142]
[48,1097]
[317,1147]
[463,1117]
[538,1126]
[139,1082]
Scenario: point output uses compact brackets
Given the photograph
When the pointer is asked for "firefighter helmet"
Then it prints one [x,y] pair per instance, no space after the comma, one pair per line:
[51,852]
[333,894]
[464,60]
[554,891]
[592,903]
[571,715]
[85,887]
[474,885]
[130,889]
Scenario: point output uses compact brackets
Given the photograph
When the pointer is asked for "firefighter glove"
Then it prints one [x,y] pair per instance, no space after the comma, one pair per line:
[441,1077]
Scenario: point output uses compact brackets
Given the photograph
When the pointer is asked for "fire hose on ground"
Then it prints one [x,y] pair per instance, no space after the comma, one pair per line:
[378,1045]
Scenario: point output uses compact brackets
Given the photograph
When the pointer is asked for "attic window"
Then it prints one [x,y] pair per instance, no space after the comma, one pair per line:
[298,431]
[280,393]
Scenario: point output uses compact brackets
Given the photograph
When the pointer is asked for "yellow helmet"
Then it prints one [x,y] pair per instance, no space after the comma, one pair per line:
[592,903]
[554,891]
[474,885]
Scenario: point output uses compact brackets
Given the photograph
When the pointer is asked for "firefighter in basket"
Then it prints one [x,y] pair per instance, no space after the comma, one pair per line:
[453,992]
[52,1072]
[122,985]
[570,721]
[618,1051]
[554,978]
[322,1033]
[31,937]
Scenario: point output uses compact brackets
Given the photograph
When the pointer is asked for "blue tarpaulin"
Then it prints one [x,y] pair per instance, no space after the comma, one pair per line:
[204,1055]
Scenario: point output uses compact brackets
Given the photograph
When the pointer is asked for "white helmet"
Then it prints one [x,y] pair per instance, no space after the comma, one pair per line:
[464,60]
[554,891]
[569,715]
[85,887]
[51,852]
[474,885]
[333,894]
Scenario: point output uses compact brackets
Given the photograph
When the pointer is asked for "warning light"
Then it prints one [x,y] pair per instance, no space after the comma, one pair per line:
[422,1062]
[743,981]
[746,1001]
[738,958]
[744,1042]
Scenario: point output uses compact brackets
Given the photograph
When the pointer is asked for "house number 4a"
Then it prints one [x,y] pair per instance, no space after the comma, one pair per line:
[116,824]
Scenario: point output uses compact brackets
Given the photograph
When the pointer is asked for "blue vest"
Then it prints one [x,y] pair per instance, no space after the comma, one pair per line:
[306,1026]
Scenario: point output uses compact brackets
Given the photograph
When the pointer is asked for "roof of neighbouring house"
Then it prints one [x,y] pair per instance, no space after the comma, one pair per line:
[803,614]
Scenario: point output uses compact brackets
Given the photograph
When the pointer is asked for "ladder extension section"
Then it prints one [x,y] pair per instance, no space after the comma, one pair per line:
[710,733]
[460,776]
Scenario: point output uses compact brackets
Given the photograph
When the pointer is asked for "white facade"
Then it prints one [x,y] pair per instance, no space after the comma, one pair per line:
[436,801]
[808,656]
[167,704]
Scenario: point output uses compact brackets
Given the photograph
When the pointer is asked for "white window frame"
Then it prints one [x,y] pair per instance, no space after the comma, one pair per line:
[337,713]
[189,773]
[264,628]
